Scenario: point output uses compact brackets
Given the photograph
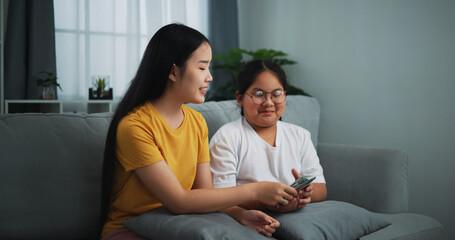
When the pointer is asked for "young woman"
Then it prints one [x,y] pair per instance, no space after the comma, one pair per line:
[259,147]
[157,148]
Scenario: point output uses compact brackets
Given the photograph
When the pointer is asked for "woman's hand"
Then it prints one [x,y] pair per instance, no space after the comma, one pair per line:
[273,193]
[300,201]
[259,221]
[291,206]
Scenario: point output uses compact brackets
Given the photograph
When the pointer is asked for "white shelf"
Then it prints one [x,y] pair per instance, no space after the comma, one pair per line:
[99,106]
[57,106]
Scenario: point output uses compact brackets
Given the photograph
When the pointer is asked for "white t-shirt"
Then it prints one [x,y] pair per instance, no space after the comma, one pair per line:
[238,155]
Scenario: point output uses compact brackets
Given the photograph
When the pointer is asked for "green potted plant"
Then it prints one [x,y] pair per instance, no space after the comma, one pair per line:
[48,85]
[101,88]
[233,61]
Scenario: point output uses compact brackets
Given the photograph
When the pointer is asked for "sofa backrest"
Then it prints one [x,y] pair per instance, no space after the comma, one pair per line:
[51,170]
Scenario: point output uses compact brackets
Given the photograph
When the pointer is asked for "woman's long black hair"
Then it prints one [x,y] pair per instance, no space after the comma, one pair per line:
[172,44]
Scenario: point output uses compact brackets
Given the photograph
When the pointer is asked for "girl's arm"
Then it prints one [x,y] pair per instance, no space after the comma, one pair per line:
[315,192]
[319,192]
[163,184]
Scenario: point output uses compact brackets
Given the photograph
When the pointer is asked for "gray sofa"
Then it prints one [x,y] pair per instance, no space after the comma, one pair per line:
[51,170]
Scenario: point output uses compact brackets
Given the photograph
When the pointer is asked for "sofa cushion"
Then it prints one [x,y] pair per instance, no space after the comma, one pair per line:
[51,166]
[328,220]
[162,224]
[300,110]
[406,226]
[324,220]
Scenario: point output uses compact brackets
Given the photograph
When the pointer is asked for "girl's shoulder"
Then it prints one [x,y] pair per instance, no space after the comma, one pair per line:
[229,130]
[293,128]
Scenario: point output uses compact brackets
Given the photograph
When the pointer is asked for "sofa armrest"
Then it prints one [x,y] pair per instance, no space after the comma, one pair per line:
[373,178]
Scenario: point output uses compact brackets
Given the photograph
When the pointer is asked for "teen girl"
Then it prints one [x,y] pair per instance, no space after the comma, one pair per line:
[259,147]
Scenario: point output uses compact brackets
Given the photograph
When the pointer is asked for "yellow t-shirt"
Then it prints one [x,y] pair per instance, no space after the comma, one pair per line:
[144,138]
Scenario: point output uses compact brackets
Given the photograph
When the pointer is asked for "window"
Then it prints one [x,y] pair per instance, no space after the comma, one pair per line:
[108,37]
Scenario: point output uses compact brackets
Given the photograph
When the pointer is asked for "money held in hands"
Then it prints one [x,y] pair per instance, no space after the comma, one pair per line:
[302,183]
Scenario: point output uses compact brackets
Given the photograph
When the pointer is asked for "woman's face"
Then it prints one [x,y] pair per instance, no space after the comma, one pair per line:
[191,82]
[268,113]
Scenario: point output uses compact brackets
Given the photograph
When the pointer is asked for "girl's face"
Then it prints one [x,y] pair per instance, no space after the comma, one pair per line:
[192,80]
[268,113]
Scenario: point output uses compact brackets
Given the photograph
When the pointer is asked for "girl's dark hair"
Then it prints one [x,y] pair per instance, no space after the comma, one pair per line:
[172,44]
[251,71]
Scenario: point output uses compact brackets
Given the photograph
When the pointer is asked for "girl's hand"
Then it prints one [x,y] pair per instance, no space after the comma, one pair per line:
[315,192]
[259,221]
[304,196]
[307,191]
[273,193]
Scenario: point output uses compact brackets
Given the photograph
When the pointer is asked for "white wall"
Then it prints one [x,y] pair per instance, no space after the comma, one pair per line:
[384,74]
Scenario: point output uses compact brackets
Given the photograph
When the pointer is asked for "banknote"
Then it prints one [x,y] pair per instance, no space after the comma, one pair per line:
[302,182]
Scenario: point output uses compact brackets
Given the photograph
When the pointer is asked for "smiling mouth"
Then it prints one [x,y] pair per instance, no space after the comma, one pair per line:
[267,112]
[203,90]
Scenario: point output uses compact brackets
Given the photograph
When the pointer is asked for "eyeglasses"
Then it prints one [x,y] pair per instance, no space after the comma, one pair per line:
[259,96]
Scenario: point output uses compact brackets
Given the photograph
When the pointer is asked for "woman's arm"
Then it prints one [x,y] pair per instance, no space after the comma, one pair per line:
[256,220]
[163,184]
[315,192]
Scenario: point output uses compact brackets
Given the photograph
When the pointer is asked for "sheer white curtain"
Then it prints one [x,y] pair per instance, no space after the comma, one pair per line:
[108,37]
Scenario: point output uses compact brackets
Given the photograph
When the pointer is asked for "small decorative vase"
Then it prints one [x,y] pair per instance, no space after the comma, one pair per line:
[99,94]
[48,92]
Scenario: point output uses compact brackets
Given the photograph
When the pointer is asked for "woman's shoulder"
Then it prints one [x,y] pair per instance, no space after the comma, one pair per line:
[192,113]
[139,114]
[140,118]
[195,121]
